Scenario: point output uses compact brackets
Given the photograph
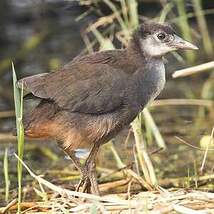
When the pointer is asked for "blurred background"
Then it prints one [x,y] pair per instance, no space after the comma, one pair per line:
[42,35]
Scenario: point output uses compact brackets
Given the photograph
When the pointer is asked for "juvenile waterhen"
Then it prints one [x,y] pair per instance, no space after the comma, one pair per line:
[93,97]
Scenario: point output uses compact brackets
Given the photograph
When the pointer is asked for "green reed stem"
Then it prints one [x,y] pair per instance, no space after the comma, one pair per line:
[154,129]
[133,13]
[207,43]
[185,28]
[118,16]
[143,157]
[164,12]
[105,43]
[124,10]
[119,162]
[18,101]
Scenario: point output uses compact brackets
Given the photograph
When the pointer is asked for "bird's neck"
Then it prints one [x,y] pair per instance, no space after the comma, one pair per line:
[135,49]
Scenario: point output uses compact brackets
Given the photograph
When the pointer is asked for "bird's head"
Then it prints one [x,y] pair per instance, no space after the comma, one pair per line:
[155,40]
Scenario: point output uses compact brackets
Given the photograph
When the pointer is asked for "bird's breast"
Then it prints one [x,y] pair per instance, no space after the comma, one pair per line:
[150,82]
[156,79]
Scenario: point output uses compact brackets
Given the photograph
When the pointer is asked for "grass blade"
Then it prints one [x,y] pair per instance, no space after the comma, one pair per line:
[166,9]
[133,13]
[6,175]
[124,10]
[154,129]
[105,43]
[144,159]
[118,16]
[18,101]
[208,46]
[185,28]
[119,162]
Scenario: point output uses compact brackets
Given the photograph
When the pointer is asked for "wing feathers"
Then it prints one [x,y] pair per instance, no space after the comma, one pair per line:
[34,84]
[89,84]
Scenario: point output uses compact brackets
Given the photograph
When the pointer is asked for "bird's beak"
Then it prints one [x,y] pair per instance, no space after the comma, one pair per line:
[180,43]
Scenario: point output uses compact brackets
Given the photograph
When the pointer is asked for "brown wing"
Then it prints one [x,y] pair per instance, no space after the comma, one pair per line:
[88,85]
[34,84]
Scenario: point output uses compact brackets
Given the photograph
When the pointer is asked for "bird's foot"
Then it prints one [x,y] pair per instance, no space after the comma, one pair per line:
[84,183]
[88,181]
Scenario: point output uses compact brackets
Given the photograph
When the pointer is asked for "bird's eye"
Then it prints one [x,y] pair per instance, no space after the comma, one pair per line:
[161,36]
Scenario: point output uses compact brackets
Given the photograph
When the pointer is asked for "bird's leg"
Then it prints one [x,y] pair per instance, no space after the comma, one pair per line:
[84,178]
[90,168]
[88,179]
[74,159]
[93,179]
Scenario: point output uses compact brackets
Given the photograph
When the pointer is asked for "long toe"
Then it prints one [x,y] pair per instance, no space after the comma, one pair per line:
[77,189]
[93,178]
[94,184]
[86,186]
[84,183]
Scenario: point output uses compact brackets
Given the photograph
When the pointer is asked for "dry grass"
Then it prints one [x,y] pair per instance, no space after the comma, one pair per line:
[152,202]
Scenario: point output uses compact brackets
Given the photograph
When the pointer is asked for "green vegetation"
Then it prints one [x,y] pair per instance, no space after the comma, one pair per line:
[18,100]
[6,175]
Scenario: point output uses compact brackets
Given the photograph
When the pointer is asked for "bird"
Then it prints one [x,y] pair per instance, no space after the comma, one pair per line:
[92,98]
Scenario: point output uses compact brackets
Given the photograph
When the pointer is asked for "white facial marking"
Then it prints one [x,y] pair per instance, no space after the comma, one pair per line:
[154,47]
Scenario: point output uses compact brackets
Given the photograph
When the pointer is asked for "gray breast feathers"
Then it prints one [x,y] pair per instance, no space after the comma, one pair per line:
[150,82]
[158,75]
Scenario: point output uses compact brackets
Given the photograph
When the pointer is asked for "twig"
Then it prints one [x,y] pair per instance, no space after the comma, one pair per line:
[129,189]
[12,203]
[9,137]
[193,70]
[156,151]
[197,102]
[129,171]
[127,138]
[5,114]
[24,205]
[188,144]
[185,210]
[106,187]
[102,22]
[207,149]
